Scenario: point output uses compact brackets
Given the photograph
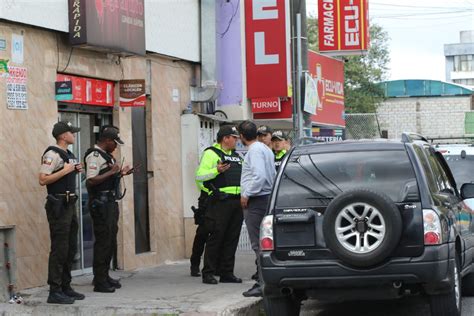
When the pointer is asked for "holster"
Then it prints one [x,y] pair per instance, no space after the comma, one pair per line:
[56,205]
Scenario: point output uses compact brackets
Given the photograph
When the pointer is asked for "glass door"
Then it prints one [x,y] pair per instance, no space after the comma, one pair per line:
[90,124]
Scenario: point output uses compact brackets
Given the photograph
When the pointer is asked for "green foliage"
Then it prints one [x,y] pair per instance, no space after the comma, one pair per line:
[362,72]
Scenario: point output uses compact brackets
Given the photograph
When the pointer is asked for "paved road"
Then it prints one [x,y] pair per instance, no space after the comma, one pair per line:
[416,306]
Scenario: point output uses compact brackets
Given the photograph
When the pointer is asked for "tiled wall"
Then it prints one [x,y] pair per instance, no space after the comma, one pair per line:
[24,134]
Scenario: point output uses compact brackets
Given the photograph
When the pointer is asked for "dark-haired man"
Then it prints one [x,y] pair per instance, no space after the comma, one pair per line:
[258,174]
[58,172]
[103,174]
[219,172]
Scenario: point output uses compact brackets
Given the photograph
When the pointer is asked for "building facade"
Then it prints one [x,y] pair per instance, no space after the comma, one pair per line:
[35,53]
[460,59]
[434,109]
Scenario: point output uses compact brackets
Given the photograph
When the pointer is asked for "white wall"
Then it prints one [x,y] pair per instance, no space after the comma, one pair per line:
[171,26]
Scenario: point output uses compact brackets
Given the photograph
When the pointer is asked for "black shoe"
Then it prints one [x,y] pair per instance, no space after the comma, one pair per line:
[195,271]
[104,287]
[254,291]
[255,276]
[230,279]
[58,297]
[114,283]
[209,279]
[71,293]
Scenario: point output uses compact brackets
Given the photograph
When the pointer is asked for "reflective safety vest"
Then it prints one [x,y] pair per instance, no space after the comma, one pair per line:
[279,159]
[209,179]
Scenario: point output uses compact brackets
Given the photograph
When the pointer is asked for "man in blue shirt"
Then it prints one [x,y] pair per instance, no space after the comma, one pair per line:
[258,174]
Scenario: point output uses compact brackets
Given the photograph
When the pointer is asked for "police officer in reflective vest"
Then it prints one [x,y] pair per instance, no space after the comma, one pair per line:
[219,171]
[58,172]
[279,140]
[103,175]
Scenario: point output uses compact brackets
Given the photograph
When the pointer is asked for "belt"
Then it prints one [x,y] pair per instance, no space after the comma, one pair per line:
[66,196]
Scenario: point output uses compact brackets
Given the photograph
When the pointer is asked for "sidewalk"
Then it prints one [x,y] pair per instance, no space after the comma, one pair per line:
[164,290]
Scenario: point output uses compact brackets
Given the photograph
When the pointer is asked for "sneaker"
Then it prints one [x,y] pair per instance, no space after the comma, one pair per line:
[71,293]
[58,297]
[230,279]
[255,276]
[254,291]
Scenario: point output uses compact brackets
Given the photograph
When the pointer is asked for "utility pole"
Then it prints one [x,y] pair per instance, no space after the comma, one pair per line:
[298,7]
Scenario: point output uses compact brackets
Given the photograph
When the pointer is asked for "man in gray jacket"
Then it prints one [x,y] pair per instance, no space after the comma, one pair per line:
[258,174]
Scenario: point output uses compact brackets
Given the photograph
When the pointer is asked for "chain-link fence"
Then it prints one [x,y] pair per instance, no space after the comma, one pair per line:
[447,125]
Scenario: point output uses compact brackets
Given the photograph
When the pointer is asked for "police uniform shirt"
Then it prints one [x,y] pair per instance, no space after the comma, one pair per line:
[95,163]
[52,162]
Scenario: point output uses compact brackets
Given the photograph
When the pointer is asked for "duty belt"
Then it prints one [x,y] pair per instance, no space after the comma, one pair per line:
[67,196]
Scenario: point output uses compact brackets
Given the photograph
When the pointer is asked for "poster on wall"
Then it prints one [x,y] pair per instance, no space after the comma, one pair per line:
[16,88]
[132,93]
[17,48]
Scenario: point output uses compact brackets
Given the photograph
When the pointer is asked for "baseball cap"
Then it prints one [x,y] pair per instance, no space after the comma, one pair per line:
[264,130]
[279,135]
[63,127]
[112,132]
[228,130]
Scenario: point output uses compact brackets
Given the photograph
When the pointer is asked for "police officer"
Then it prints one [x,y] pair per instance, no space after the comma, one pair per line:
[219,171]
[279,143]
[103,175]
[201,232]
[264,135]
[58,172]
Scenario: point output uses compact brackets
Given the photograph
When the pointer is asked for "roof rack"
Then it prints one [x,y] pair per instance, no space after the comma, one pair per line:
[408,137]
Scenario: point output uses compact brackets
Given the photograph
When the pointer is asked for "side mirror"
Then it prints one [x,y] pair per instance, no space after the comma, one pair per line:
[467,191]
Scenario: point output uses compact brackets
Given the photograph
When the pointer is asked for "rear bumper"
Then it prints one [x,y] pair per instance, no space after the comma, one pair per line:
[430,271]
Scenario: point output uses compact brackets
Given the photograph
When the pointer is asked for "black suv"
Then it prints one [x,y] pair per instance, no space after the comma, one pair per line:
[367,220]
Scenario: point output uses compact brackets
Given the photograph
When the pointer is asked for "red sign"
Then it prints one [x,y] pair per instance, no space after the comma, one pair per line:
[343,26]
[89,91]
[268,50]
[328,76]
[132,93]
[267,105]
[285,113]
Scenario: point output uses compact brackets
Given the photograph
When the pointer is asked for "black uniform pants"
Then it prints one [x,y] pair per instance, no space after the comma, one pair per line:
[223,221]
[198,245]
[104,213]
[63,228]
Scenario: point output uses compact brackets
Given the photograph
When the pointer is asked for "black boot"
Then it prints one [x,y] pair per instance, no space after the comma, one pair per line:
[58,297]
[195,271]
[209,279]
[71,293]
[103,287]
[114,282]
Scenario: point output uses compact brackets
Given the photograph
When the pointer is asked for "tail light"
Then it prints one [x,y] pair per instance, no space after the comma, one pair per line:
[432,228]
[266,233]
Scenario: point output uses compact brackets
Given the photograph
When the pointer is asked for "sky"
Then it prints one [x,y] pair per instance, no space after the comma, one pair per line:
[418,31]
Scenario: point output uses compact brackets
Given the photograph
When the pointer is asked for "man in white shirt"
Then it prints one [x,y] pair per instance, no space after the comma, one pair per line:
[258,174]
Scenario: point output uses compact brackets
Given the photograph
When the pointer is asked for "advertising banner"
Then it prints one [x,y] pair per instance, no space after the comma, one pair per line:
[63,90]
[115,26]
[267,36]
[132,92]
[328,87]
[16,88]
[343,26]
[89,91]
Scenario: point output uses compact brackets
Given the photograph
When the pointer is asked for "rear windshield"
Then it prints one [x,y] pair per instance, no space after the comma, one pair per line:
[462,168]
[314,180]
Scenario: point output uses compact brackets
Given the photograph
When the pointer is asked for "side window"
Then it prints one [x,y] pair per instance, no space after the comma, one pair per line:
[432,184]
[440,175]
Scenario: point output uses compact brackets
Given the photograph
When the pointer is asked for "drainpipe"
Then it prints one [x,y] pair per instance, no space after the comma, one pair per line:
[208,89]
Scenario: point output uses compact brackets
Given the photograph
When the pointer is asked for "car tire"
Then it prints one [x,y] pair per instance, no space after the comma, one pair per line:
[449,304]
[281,306]
[468,285]
[362,227]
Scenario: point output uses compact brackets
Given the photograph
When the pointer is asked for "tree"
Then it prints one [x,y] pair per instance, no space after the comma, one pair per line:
[362,72]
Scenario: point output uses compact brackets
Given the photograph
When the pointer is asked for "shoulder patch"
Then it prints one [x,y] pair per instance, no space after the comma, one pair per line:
[47,160]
